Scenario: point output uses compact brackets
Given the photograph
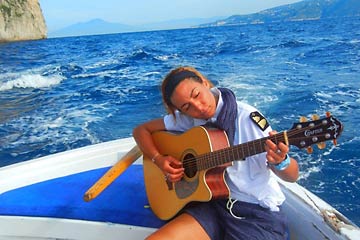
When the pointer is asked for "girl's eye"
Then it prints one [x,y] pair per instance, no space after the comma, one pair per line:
[196,94]
[186,107]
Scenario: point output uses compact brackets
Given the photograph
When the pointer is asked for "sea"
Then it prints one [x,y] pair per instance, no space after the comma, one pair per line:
[65,93]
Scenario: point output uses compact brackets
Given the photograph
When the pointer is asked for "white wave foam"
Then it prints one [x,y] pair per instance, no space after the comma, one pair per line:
[309,171]
[31,81]
[96,74]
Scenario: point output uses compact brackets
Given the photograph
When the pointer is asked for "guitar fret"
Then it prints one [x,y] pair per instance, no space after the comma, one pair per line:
[243,152]
[240,152]
[257,146]
[251,149]
[262,145]
[201,163]
[222,155]
[234,153]
[254,145]
[246,147]
[207,163]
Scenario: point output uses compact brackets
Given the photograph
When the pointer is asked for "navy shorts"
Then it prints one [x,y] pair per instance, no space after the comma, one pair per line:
[253,222]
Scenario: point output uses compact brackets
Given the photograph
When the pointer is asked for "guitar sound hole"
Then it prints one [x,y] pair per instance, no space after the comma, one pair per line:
[189,164]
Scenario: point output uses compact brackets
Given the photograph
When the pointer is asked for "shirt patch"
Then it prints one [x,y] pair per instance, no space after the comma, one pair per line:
[259,120]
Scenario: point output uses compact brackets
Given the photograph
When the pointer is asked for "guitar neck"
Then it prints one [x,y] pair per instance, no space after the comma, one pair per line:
[301,135]
[237,152]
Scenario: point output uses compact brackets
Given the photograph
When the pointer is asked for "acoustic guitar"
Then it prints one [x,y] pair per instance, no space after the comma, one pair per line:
[205,154]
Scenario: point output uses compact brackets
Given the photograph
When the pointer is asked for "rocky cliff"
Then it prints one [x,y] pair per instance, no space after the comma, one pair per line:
[21,20]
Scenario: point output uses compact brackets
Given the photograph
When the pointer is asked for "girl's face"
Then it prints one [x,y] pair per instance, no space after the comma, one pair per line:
[194,99]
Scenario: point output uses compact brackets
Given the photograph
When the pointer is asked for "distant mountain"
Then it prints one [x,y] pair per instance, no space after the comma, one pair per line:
[92,27]
[180,23]
[99,26]
[304,10]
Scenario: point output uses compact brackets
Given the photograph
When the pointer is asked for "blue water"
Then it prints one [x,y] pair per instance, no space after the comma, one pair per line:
[65,93]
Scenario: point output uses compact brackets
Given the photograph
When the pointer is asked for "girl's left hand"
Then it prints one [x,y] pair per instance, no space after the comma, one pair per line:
[275,153]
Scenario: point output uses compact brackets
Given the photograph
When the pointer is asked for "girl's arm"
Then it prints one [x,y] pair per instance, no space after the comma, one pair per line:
[142,136]
[171,167]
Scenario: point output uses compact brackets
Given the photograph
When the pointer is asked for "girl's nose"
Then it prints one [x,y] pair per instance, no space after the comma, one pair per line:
[198,106]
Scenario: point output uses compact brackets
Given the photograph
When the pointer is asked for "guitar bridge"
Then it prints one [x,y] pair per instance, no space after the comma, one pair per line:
[170,185]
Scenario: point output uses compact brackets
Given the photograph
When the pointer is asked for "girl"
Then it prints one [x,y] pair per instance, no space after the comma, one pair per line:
[253,210]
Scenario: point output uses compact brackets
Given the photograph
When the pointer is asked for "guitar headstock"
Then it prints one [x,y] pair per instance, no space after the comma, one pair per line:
[306,133]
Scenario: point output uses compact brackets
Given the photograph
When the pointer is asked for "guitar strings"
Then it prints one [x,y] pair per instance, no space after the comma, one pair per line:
[206,160]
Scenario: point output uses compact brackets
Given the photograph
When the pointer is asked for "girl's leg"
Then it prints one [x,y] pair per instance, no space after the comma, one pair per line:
[182,227]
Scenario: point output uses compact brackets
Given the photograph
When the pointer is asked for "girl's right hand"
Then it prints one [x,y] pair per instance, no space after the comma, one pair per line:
[171,167]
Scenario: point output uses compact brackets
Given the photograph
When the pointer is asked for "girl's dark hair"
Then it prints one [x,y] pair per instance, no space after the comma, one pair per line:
[173,79]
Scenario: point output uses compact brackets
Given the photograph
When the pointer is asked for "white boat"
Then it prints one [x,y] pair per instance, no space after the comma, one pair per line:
[43,199]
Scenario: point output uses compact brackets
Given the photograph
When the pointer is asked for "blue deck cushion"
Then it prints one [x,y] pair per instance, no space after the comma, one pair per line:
[124,201]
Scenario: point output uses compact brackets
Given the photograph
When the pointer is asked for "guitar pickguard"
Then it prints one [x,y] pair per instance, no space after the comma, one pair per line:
[185,188]
[188,185]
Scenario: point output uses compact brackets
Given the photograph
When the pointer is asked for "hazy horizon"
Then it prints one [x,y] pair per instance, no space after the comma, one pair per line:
[61,14]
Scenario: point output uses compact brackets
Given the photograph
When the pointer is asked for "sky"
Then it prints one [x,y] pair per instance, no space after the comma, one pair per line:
[59,14]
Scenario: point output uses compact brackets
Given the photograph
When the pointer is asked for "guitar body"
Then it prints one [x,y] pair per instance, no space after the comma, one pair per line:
[166,199]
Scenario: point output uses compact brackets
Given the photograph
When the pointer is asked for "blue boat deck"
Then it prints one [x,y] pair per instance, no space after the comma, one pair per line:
[123,202]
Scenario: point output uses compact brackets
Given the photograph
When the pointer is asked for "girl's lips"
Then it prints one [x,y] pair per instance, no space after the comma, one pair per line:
[206,113]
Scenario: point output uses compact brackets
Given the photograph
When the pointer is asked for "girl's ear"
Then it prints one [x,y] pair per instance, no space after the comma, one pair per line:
[206,83]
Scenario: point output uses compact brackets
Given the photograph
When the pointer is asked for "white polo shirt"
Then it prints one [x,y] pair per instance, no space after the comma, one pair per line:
[250,180]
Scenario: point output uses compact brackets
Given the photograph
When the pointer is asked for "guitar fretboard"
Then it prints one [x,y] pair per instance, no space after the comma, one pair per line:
[235,153]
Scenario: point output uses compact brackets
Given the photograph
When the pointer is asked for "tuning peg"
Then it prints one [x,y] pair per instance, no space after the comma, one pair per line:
[315,117]
[303,119]
[328,114]
[309,150]
[321,145]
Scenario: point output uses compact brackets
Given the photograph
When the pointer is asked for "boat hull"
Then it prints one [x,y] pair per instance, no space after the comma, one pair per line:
[43,199]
